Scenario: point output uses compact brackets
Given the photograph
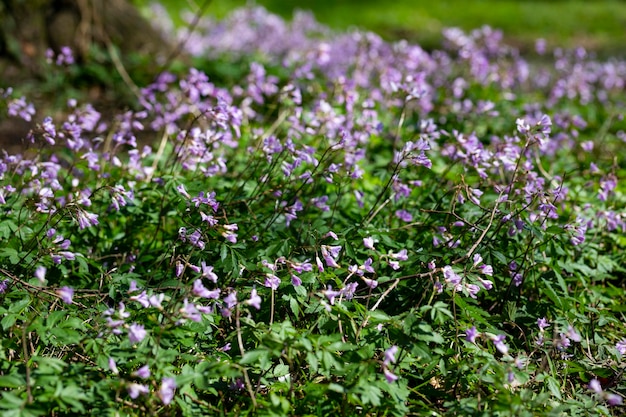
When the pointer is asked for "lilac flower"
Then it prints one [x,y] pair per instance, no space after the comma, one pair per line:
[542,323]
[371,283]
[155,300]
[367,266]
[563,343]
[86,219]
[477,259]
[621,347]
[544,124]
[332,234]
[595,386]
[320,265]
[19,107]
[179,268]
[190,311]
[295,280]
[207,272]
[389,375]
[400,256]
[201,291]
[486,269]
[113,366]
[255,300]
[135,390]
[522,126]
[331,294]
[349,290]
[613,399]
[471,334]
[390,355]
[181,189]
[330,254]
[368,242]
[487,284]
[573,334]
[272,281]
[40,273]
[66,294]
[136,333]
[498,342]
[404,215]
[167,390]
[142,299]
[472,289]
[143,372]
[231,299]
[450,276]
[196,239]
[587,145]
[4,284]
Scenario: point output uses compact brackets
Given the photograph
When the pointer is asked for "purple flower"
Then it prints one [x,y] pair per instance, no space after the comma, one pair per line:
[498,342]
[450,276]
[255,300]
[613,399]
[86,219]
[367,266]
[404,215]
[331,294]
[390,355]
[156,300]
[40,273]
[295,280]
[179,268]
[595,386]
[136,333]
[330,254]
[207,272]
[400,256]
[66,294]
[542,323]
[143,372]
[272,281]
[113,366]
[621,347]
[142,299]
[231,299]
[371,283]
[190,311]
[368,242]
[389,375]
[486,269]
[201,291]
[135,390]
[573,334]
[471,334]
[4,284]
[486,283]
[167,390]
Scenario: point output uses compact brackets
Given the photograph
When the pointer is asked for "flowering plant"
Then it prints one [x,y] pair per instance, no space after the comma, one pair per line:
[354,225]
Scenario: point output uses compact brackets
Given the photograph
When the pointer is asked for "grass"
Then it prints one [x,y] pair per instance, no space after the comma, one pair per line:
[596,25]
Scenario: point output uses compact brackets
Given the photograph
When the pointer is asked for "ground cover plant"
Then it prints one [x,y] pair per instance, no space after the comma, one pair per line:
[321,223]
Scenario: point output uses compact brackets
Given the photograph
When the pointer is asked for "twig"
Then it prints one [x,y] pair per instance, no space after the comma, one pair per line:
[242,351]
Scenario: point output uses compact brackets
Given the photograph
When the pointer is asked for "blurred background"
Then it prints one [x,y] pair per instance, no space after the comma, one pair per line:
[597,25]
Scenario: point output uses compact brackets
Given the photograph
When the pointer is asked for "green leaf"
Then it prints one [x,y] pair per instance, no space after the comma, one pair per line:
[12,381]
[553,386]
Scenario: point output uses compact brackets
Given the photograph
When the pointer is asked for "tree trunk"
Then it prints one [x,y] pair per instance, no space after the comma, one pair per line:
[30,27]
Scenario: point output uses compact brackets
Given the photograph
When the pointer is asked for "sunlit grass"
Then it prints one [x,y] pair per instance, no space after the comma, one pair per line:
[597,25]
